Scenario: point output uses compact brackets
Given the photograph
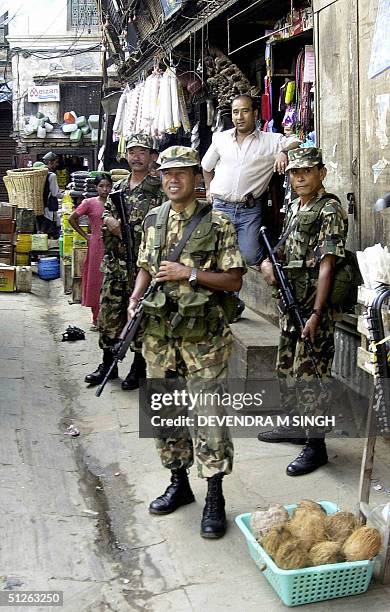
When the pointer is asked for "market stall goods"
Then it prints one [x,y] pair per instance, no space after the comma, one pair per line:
[291,555]
[308,527]
[326,552]
[274,538]
[261,521]
[27,185]
[364,543]
[340,525]
[308,504]
[225,79]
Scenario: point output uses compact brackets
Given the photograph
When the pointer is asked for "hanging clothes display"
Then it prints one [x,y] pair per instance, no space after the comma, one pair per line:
[155,106]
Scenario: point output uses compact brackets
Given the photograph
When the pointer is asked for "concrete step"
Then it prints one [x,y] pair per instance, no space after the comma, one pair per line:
[255,346]
[257,295]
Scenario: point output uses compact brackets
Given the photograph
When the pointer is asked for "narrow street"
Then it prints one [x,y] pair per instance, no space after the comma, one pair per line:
[74,510]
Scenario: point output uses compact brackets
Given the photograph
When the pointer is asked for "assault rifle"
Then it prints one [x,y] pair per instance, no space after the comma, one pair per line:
[289,302]
[127,336]
[117,198]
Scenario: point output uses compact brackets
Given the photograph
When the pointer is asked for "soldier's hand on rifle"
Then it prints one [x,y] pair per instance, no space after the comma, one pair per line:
[310,328]
[114,226]
[133,303]
[172,271]
[267,270]
[280,164]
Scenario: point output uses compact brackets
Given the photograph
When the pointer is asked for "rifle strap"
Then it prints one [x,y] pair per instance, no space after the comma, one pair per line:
[161,230]
[193,223]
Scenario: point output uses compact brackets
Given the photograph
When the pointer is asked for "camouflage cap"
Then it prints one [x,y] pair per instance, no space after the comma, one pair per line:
[140,140]
[178,157]
[304,157]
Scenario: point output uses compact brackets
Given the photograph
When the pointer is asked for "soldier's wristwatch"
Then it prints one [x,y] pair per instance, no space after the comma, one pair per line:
[193,279]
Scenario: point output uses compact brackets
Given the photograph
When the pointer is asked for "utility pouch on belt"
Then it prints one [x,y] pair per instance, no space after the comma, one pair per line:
[189,322]
[299,277]
[156,306]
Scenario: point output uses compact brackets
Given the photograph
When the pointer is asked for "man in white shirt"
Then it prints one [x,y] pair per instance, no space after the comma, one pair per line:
[237,169]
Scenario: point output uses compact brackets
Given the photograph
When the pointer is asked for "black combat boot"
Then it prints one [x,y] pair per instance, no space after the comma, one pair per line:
[312,456]
[98,375]
[137,371]
[293,435]
[213,523]
[177,494]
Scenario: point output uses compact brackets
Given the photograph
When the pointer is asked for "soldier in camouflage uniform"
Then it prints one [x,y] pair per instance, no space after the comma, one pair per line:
[186,331]
[142,193]
[310,253]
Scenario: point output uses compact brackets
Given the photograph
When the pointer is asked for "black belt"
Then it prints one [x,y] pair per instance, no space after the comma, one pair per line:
[248,203]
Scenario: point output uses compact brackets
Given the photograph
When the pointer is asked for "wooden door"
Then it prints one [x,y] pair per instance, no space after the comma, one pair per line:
[374,112]
[337,102]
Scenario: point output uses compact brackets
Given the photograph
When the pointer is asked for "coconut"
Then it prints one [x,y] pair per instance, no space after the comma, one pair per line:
[291,555]
[340,525]
[262,521]
[274,538]
[362,544]
[309,505]
[326,552]
[308,527]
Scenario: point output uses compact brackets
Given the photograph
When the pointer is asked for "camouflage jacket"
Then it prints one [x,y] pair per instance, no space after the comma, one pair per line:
[212,247]
[321,230]
[139,201]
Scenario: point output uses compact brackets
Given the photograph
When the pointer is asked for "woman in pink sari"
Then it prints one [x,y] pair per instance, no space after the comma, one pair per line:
[92,277]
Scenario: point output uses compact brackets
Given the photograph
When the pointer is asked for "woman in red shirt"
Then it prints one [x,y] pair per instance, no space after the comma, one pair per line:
[92,277]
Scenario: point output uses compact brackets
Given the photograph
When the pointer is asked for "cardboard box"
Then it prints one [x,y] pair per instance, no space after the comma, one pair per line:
[7,278]
[7,226]
[7,211]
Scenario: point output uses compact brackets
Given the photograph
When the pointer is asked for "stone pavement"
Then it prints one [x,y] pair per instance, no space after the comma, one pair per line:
[73,511]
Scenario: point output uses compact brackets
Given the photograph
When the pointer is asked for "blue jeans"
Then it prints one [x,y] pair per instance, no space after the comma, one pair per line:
[247,222]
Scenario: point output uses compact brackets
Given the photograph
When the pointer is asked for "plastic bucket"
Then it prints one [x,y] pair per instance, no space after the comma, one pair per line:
[49,268]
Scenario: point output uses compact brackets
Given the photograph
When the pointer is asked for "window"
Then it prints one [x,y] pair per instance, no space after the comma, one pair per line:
[82,97]
[82,14]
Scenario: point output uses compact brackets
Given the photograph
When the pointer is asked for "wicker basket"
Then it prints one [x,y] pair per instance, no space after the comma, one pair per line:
[27,187]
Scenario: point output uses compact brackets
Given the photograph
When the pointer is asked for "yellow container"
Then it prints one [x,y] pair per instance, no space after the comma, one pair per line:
[22,259]
[23,243]
[67,245]
[39,242]
[78,240]
[67,203]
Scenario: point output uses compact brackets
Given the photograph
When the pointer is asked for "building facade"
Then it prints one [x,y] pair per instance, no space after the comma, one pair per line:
[55,55]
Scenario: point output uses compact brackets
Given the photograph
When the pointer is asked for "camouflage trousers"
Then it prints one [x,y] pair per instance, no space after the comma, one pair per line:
[204,372]
[114,300]
[300,395]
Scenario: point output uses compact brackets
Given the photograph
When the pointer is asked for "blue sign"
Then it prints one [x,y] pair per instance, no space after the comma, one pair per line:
[171,6]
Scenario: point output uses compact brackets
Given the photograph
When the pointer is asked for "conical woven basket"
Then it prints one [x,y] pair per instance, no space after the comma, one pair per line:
[27,186]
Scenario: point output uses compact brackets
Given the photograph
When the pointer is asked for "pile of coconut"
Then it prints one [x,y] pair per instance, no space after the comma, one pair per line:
[310,537]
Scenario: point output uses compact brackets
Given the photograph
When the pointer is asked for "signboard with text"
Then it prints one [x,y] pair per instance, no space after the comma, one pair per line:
[44,93]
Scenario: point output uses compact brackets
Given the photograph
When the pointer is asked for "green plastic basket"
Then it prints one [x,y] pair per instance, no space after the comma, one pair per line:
[311,584]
